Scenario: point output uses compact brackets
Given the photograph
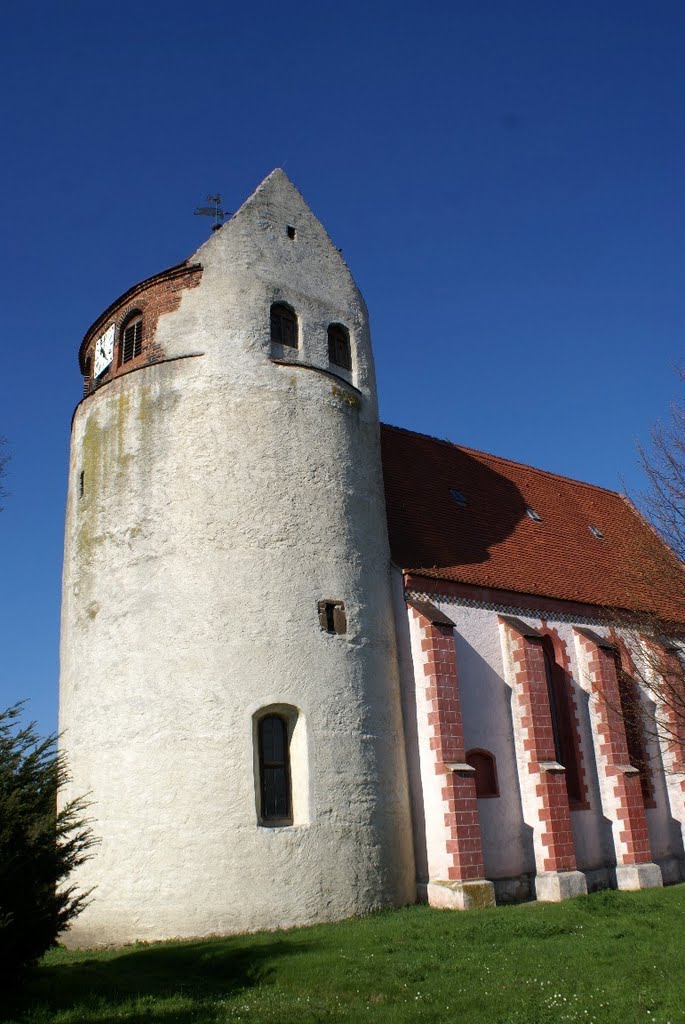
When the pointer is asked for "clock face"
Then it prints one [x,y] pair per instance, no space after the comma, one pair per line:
[104,350]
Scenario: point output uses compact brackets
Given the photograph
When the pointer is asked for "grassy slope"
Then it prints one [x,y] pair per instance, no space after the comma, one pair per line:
[610,958]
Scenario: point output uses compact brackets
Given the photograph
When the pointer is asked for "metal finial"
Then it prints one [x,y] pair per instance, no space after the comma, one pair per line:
[213,211]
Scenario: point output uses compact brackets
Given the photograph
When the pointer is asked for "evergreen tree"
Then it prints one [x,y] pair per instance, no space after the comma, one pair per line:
[39,844]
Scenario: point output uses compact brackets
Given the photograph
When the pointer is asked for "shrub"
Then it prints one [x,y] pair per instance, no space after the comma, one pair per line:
[39,845]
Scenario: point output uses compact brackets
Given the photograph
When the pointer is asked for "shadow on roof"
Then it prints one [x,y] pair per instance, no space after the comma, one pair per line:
[429,528]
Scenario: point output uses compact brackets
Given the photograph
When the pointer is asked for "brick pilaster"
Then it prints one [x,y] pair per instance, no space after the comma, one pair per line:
[543,783]
[463,847]
[619,781]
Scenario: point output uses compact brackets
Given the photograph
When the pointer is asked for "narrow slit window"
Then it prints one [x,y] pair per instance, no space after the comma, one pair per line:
[131,341]
[332,617]
[339,351]
[633,716]
[81,483]
[274,769]
[561,714]
[283,325]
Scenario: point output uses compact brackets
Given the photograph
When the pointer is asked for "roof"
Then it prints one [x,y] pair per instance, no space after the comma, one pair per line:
[490,540]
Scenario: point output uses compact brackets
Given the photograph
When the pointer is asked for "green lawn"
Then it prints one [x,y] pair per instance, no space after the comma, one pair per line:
[610,958]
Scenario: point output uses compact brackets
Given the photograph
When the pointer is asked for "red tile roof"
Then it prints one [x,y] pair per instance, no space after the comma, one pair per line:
[493,543]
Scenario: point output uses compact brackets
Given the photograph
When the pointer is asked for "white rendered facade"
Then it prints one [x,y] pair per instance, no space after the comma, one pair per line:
[224,496]
[223,488]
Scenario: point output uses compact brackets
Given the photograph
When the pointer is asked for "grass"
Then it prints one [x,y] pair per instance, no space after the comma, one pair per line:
[609,958]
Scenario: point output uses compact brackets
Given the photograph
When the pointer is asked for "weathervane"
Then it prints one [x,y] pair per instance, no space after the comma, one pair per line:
[213,211]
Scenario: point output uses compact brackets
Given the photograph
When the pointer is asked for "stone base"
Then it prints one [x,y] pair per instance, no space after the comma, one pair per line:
[672,869]
[458,895]
[638,876]
[514,890]
[555,886]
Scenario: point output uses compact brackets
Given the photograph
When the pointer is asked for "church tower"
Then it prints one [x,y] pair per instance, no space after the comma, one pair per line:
[229,691]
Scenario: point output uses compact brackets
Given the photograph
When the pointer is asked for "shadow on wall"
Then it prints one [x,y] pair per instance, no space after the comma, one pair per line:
[173,982]
[445,507]
[487,719]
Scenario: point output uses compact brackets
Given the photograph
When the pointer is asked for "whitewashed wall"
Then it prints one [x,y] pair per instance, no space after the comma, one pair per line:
[224,497]
[485,692]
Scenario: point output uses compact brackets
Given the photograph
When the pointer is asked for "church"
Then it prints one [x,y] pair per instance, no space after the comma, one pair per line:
[313,665]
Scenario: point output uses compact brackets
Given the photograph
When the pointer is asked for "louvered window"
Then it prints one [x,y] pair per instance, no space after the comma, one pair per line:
[131,344]
[339,353]
[283,325]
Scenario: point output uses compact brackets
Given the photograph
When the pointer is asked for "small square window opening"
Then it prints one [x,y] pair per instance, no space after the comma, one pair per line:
[332,618]
[291,232]
[459,498]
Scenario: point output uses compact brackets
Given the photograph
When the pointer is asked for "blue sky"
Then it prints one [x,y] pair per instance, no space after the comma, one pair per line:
[505,180]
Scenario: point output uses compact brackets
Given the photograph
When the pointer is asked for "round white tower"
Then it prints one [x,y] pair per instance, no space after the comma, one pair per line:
[229,691]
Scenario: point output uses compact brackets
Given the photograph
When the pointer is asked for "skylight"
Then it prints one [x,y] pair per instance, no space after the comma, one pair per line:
[596,532]
[459,498]
[532,514]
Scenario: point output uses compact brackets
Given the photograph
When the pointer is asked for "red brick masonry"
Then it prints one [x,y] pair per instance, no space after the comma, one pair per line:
[464,846]
[151,298]
[555,850]
[625,806]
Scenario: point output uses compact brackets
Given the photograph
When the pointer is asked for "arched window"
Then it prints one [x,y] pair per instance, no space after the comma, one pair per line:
[565,750]
[283,325]
[486,773]
[274,770]
[86,376]
[339,352]
[131,338]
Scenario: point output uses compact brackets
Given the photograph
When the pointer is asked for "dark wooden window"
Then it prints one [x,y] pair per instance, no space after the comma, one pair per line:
[283,325]
[486,773]
[332,618]
[562,722]
[339,353]
[633,713]
[131,339]
[274,770]
[86,378]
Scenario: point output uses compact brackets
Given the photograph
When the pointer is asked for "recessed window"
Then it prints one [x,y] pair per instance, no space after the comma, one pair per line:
[532,514]
[291,232]
[274,770]
[634,722]
[283,325]
[339,352]
[81,484]
[596,532]
[332,618]
[86,377]
[131,339]
[458,497]
[486,773]
[561,713]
